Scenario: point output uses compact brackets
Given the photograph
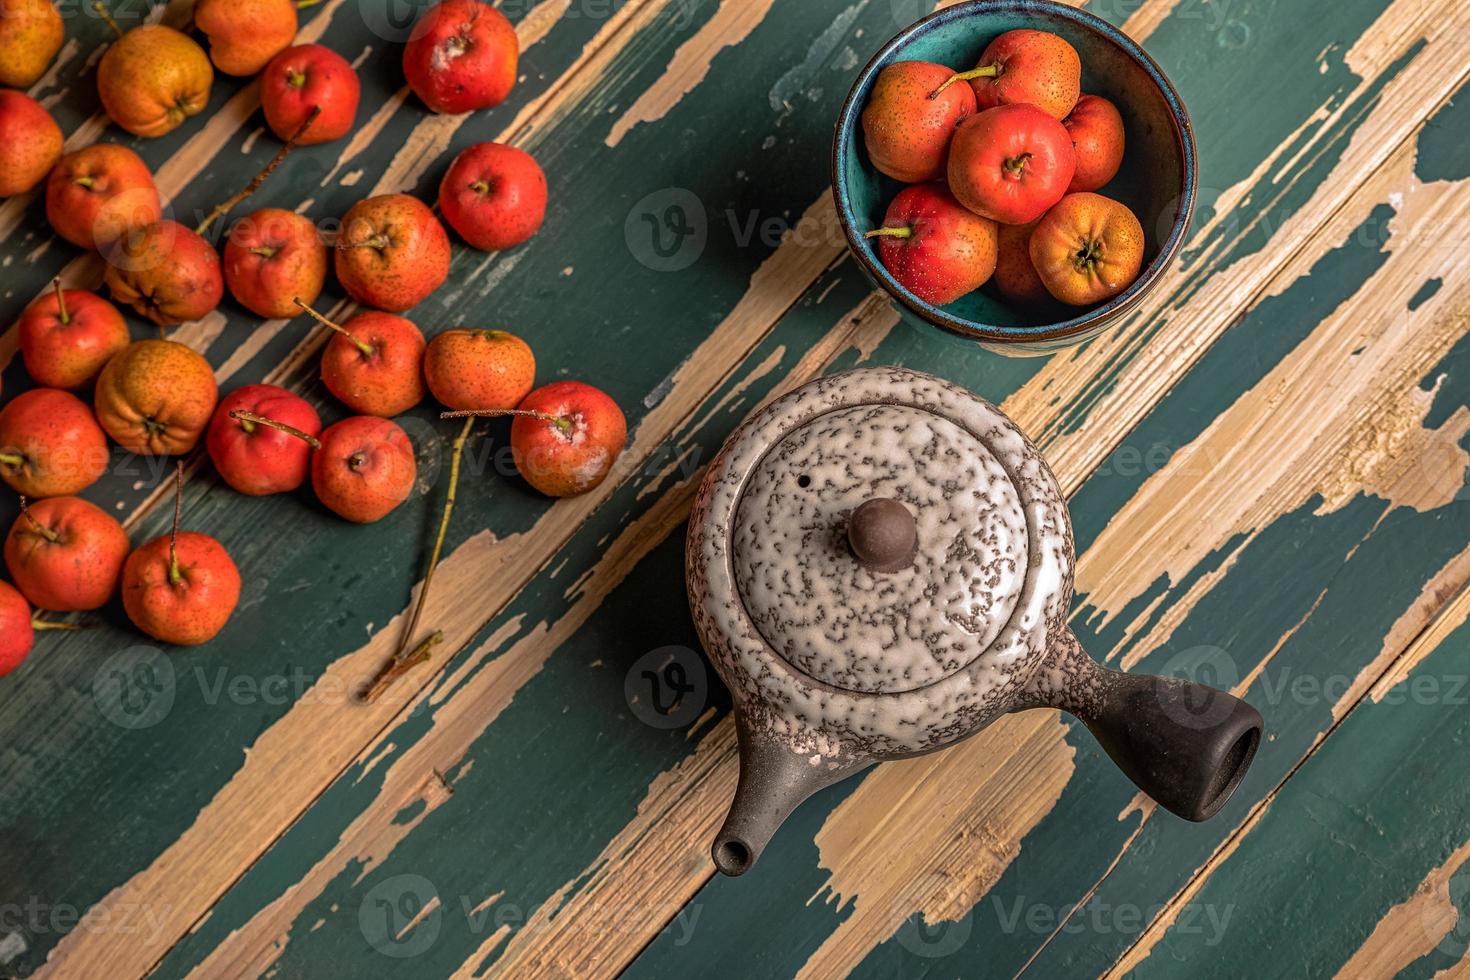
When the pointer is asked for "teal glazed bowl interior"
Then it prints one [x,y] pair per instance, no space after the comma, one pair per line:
[1157,179]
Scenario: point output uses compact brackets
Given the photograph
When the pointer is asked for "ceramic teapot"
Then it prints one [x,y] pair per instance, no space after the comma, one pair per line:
[879,565]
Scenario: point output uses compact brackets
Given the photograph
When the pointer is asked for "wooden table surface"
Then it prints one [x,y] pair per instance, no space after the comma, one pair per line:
[1267,470]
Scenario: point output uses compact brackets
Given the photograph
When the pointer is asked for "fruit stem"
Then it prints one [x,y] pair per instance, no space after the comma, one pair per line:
[377,241]
[891,232]
[560,421]
[290,430]
[12,459]
[1089,252]
[401,664]
[61,300]
[984,71]
[41,624]
[259,178]
[1016,164]
[174,575]
[98,6]
[366,349]
[455,456]
[41,529]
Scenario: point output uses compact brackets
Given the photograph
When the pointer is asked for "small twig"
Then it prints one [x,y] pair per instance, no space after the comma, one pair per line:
[61,300]
[259,178]
[41,529]
[560,421]
[40,625]
[239,415]
[377,241]
[984,71]
[455,456]
[366,349]
[401,664]
[107,17]
[174,575]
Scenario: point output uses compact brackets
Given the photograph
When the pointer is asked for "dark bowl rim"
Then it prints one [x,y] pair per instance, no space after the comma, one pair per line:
[844,136]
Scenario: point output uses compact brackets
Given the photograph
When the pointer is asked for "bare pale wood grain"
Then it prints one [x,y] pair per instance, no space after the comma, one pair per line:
[775,287]
[233,829]
[1039,401]
[1403,348]
[1412,928]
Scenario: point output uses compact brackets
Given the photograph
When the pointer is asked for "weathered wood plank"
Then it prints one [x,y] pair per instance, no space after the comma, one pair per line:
[1125,462]
[589,303]
[350,592]
[338,931]
[1390,441]
[570,45]
[1405,448]
[1302,623]
[1116,485]
[506,686]
[1366,845]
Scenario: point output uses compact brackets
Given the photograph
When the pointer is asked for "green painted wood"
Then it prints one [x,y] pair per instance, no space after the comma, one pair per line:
[1369,817]
[1347,627]
[580,763]
[1272,586]
[313,584]
[569,722]
[564,768]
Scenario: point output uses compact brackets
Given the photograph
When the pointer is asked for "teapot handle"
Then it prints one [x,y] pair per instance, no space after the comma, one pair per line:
[1186,745]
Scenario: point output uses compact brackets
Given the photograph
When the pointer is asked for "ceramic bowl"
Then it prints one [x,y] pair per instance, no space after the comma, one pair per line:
[1157,179]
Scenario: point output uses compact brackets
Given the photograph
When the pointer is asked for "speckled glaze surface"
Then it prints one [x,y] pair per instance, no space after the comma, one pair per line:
[880,564]
[838,662]
[825,612]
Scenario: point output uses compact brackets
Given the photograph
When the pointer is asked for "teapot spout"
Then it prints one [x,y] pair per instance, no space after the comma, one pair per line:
[774,780]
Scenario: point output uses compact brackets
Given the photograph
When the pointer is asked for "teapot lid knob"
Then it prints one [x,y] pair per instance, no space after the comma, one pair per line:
[883,535]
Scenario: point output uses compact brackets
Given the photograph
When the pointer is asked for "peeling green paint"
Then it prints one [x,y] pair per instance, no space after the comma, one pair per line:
[566,765]
[1444,149]
[1425,293]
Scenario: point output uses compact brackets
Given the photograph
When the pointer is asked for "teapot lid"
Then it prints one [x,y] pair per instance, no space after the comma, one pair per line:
[878,532]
